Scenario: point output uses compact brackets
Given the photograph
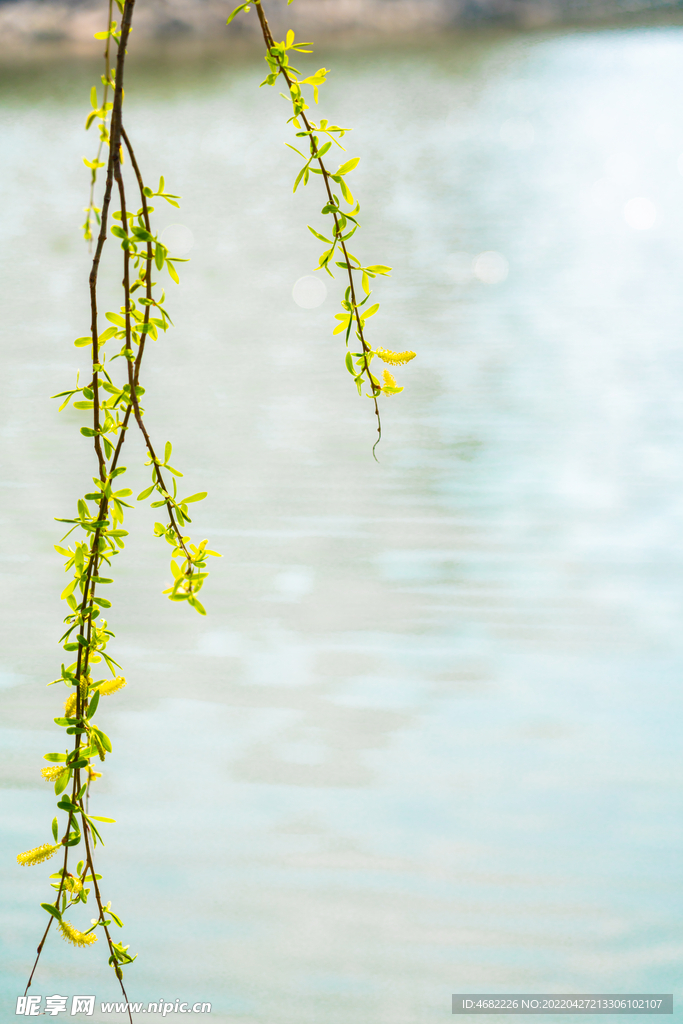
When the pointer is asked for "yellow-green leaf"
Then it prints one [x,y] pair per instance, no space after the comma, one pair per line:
[349,165]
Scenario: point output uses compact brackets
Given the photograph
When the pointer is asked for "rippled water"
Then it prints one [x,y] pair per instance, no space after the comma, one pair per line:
[425,740]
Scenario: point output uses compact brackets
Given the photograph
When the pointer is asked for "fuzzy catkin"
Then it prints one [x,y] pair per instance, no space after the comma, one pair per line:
[38,854]
[111,686]
[394,358]
[76,938]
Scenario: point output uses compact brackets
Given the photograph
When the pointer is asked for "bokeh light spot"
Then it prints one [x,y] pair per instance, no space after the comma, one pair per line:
[490,267]
[177,238]
[309,292]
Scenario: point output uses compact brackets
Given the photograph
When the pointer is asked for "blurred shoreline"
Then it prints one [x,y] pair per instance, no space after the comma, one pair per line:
[31,26]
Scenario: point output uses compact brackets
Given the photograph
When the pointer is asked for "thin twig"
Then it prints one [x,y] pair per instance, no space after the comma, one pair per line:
[93,177]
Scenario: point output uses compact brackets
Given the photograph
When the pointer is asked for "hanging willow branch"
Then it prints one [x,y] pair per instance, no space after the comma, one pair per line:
[344,222]
[113,408]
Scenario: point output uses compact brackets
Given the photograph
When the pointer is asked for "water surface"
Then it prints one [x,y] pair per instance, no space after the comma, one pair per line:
[425,741]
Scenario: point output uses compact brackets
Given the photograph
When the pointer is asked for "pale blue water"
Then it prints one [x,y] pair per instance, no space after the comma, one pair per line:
[427,738]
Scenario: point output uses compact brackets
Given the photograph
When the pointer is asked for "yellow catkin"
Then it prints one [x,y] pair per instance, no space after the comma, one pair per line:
[394,358]
[75,937]
[111,686]
[52,772]
[388,379]
[73,884]
[38,854]
[70,704]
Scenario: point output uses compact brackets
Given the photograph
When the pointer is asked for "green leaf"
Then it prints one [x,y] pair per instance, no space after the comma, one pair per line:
[318,235]
[104,740]
[197,605]
[349,165]
[92,826]
[82,342]
[61,784]
[242,7]
[342,326]
[110,662]
[54,757]
[96,817]
[116,319]
[51,909]
[195,497]
[146,493]
[299,176]
[167,451]
[92,707]
[55,828]
[160,255]
[346,192]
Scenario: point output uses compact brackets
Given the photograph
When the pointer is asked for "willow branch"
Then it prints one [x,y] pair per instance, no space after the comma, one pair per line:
[134,372]
[98,897]
[375,391]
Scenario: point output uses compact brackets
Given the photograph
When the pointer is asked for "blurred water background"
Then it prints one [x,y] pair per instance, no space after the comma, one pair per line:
[426,739]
